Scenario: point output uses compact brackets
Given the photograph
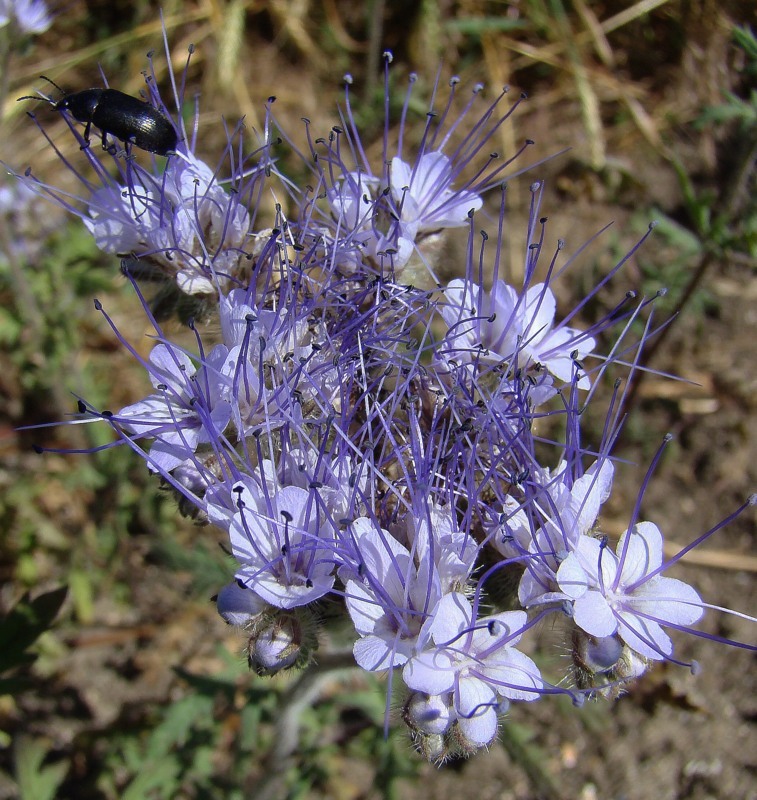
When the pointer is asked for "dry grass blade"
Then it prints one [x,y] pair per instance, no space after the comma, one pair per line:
[717,559]
[58,65]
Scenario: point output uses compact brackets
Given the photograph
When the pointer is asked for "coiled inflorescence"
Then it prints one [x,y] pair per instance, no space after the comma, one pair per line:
[398,444]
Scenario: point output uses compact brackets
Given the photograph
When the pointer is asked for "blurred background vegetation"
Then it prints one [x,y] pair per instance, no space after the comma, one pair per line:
[117,678]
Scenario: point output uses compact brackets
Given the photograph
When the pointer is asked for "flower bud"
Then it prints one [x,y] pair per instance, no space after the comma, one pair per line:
[239,605]
[604,665]
[427,714]
[280,640]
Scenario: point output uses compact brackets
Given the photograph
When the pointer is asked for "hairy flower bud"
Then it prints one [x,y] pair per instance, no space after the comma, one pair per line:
[280,640]
[428,715]
[604,665]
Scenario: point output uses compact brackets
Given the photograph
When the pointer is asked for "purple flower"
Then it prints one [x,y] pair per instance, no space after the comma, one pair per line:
[280,341]
[284,542]
[257,379]
[358,204]
[424,196]
[624,592]
[475,662]
[183,219]
[184,222]
[27,221]
[179,415]
[381,218]
[553,519]
[518,329]
[29,16]
[341,480]
[435,537]
[419,199]
[388,596]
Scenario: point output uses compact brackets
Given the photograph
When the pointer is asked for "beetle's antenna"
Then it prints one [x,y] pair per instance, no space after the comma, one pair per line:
[45,78]
[41,96]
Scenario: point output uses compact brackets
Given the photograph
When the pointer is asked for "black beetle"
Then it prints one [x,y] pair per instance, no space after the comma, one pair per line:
[121,115]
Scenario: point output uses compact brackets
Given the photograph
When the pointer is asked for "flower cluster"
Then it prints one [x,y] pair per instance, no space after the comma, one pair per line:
[394,448]
[27,16]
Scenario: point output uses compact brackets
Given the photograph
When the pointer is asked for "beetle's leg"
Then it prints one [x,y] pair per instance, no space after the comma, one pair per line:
[86,135]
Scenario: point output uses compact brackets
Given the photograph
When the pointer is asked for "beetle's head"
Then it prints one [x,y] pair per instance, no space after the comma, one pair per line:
[81,104]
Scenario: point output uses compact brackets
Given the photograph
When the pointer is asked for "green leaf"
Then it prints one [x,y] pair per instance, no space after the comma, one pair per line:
[478,26]
[25,623]
[162,775]
[747,41]
[176,726]
[82,593]
[36,782]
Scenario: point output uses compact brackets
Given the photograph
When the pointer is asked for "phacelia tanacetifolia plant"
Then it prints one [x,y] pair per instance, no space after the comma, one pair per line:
[398,446]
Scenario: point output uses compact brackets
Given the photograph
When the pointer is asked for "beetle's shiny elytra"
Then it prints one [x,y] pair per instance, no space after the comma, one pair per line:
[127,118]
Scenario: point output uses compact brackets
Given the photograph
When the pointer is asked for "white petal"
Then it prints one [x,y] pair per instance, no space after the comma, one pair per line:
[363,608]
[513,674]
[476,706]
[593,614]
[431,672]
[644,636]
[572,578]
[373,654]
[451,616]
[669,600]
